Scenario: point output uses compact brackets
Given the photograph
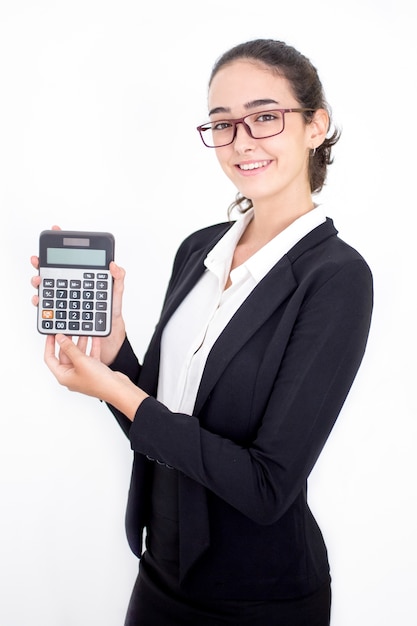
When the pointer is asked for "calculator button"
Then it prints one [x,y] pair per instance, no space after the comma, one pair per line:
[101,319]
[87,326]
[61,304]
[101,295]
[62,283]
[88,295]
[89,275]
[47,304]
[74,326]
[88,305]
[74,315]
[47,315]
[101,284]
[48,293]
[101,306]
[88,284]
[75,284]
[48,282]
[60,326]
[61,315]
[47,325]
[74,304]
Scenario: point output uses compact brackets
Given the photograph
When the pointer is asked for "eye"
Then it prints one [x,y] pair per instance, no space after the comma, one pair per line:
[268,116]
[220,125]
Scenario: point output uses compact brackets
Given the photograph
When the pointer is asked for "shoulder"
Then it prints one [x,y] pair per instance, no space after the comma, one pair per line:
[323,247]
[324,263]
[204,237]
[194,249]
[201,241]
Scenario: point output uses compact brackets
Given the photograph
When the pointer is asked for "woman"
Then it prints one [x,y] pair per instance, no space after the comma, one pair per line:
[262,331]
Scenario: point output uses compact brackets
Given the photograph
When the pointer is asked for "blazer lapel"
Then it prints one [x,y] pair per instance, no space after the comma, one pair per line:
[193,271]
[257,308]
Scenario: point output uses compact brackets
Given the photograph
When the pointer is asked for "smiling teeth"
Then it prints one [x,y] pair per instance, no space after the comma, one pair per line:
[253,166]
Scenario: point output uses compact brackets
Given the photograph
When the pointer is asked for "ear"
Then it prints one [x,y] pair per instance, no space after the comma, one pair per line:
[318,128]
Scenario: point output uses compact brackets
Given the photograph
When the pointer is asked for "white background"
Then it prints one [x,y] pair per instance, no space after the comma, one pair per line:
[98,106]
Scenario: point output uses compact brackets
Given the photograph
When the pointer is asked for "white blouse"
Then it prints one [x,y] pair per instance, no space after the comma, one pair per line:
[197,323]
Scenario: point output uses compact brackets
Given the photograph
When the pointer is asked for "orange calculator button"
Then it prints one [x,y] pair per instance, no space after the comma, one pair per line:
[47,315]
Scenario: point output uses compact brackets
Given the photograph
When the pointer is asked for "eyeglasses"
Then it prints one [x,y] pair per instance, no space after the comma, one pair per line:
[258,126]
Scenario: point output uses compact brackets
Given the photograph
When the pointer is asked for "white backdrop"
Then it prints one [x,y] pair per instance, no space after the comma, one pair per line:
[98,106]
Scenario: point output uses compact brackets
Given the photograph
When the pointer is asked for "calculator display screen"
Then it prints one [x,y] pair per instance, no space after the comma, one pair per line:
[76,256]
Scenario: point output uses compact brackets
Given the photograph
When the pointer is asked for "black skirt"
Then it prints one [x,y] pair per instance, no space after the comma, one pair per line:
[153,603]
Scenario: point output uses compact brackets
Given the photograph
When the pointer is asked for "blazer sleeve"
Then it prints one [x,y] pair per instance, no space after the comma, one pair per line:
[127,363]
[320,362]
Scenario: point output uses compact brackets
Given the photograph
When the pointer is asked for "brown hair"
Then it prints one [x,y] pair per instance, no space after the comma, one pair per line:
[307,88]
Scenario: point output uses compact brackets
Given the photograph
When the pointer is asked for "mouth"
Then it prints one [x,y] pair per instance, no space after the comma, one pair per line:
[254,165]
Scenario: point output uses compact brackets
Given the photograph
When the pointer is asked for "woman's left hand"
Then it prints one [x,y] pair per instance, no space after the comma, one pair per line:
[85,373]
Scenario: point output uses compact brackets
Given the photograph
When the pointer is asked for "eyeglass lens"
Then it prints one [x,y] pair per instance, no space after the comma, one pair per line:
[261,125]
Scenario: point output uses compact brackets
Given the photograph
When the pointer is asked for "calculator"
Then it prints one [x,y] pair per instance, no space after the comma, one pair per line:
[75,292]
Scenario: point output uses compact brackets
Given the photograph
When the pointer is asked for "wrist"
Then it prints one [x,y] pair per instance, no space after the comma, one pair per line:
[125,395]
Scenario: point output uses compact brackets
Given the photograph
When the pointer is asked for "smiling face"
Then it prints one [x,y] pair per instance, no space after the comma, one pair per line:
[273,170]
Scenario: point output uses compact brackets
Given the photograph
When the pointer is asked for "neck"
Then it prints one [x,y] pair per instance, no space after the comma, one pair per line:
[269,222]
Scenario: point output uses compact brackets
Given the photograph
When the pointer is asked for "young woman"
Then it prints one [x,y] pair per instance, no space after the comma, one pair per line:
[262,331]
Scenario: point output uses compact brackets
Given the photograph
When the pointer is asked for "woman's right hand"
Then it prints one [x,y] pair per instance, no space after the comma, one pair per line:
[111,344]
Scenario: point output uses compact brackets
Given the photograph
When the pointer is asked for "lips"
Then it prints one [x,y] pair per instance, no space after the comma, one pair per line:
[254,165]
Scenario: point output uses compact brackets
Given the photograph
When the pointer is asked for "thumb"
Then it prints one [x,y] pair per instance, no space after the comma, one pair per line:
[68,347]
[118,274]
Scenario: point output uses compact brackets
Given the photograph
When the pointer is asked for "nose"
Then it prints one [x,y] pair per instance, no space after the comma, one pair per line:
[243,139]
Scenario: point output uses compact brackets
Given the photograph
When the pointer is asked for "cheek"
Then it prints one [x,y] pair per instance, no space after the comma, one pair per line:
[223,157]
[292,150]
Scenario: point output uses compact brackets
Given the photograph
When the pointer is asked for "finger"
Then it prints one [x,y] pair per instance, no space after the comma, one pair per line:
[82,343]
[49,354]
[68,349]
[35,261]
[35,281]
[116,270]
[95,351]
[35,300]
[55,227]
[63,358]
[118,274]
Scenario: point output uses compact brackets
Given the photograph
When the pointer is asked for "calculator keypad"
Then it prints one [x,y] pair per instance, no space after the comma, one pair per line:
[75,302]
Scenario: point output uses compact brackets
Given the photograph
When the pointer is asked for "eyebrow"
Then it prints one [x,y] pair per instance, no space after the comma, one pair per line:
[249,105]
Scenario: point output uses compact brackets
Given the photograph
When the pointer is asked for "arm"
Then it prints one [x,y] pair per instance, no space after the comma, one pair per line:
[260,479]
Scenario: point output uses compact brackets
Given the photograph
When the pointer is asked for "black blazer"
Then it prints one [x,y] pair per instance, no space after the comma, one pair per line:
[272,388]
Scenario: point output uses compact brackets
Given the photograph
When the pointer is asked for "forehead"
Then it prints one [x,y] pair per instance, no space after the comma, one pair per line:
[244,81]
